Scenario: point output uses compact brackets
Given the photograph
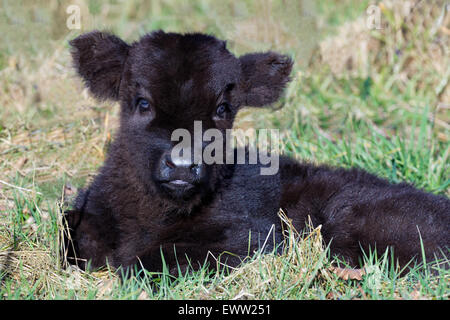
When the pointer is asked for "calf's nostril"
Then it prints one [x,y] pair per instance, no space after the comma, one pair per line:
[195,169]
[170,164]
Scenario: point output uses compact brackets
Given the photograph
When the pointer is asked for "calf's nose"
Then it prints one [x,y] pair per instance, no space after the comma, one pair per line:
[179,170]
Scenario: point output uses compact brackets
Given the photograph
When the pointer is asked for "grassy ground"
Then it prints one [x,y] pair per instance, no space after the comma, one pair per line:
[378,99]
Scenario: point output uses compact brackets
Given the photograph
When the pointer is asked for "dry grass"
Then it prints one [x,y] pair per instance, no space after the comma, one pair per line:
[303,260]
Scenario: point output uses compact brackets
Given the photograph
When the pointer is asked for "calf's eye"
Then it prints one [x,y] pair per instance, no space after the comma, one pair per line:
[222,109]
[143,105]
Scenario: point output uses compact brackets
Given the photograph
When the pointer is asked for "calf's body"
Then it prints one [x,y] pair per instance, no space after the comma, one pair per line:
[357,211]
[145,202]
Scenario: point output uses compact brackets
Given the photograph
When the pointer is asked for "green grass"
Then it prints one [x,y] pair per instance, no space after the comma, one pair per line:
[388,113]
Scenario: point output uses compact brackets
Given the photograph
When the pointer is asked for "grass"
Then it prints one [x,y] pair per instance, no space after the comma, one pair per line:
[374,99]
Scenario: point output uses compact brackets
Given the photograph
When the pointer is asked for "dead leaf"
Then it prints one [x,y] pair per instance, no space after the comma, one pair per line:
[105,288]
[21,162]
[143,296]
[69,193]
[347,273]
[331,296]
[69,190]
[415,294]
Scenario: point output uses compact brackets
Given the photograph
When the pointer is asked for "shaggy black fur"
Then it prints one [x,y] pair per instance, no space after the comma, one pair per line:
[126,216]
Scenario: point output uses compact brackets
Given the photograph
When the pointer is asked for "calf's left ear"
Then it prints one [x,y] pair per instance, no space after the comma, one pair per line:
[99,58]
[265,76]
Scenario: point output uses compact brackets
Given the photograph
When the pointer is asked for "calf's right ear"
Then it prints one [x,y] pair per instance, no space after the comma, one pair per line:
[99,59]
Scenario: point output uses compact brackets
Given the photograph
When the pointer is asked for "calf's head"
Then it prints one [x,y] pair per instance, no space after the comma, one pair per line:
[168,81]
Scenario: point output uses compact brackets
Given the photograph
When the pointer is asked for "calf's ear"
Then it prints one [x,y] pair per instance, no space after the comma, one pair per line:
[265,76]
[99,59]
